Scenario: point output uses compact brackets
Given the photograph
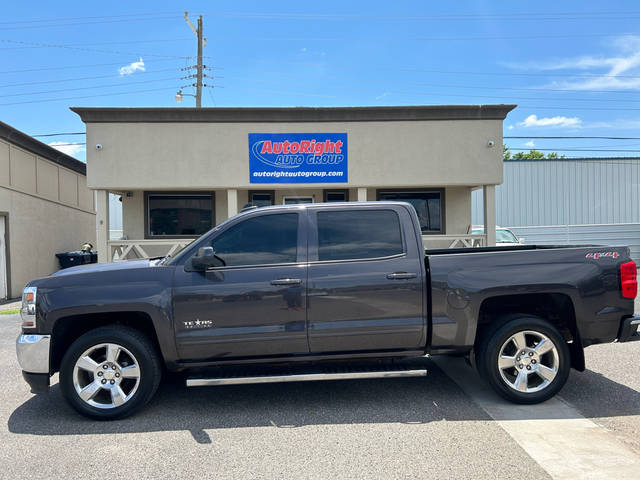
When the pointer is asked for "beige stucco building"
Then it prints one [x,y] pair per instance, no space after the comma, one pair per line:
[181,171]
[45,208]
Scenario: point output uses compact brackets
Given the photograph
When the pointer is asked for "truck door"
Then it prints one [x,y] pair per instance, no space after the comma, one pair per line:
[366,285]
[253,306]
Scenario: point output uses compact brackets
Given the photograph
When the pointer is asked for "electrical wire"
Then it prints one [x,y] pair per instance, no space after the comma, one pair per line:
[108,85]
[89,96]
[23,84]
[83,66]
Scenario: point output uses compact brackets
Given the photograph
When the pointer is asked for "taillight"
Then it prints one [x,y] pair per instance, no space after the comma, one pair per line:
[629,279]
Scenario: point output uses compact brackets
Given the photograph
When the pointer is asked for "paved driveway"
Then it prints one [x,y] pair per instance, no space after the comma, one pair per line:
[388,428]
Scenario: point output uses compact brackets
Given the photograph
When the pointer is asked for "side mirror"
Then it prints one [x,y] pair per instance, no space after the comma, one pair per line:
[204,259]
[521,240]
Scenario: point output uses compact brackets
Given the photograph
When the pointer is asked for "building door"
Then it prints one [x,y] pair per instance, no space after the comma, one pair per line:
[254,305]
[3,259]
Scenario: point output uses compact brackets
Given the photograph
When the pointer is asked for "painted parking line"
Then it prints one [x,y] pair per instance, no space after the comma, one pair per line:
[562,441]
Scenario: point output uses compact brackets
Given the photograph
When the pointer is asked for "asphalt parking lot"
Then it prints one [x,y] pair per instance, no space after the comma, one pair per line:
[387,428]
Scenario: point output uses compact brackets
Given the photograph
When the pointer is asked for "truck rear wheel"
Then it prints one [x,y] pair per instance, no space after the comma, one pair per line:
[526,360]
[110,372]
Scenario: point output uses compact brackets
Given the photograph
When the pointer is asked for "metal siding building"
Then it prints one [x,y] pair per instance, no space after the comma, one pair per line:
[586,200]
[566,192]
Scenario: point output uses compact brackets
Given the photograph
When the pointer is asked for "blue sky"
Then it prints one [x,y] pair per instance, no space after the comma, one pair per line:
[572,67]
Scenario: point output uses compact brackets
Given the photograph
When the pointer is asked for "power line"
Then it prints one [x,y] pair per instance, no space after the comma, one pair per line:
[84,23]
[571,137]
[83,66]
[126,15]
[93,50]
[23,84]
[59,134]
[571,150]
[89,88]
[95,44]
[89,96]
[60,144]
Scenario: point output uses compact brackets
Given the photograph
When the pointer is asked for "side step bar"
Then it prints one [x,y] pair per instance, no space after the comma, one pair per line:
[305,377]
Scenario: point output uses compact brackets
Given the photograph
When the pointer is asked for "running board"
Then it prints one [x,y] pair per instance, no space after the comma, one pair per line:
[306,377]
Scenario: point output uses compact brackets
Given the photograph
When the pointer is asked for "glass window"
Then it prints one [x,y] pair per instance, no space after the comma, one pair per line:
[505,236]
[189,215]
[262,240]
[335,196]
[345,235]
[428,206]
[295,200]
[261,199]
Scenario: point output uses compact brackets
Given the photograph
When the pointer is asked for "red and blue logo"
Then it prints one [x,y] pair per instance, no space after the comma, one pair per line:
[298,158]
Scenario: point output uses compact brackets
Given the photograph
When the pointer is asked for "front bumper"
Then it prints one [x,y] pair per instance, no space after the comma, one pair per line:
[33,357]
[629,329]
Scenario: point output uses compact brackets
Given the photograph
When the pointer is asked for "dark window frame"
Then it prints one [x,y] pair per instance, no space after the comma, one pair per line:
[301,241]
[314,246]
[443,204]
[327,191]
[147,194]
[270,192]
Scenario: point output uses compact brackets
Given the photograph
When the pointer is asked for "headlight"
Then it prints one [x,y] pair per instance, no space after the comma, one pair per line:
[28,309]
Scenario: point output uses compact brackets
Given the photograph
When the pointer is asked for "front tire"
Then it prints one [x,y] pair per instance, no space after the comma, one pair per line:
[526,360]
[110,372]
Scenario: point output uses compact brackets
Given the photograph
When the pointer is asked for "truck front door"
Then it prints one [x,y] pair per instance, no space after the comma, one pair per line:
[253,306]
[366,285]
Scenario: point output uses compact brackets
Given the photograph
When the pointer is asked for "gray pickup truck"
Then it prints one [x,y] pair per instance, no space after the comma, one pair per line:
[322,291]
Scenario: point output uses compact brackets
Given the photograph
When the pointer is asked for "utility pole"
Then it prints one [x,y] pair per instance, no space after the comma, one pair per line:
[199,66]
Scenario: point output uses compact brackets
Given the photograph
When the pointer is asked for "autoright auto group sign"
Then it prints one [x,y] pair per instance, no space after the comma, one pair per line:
[298,158]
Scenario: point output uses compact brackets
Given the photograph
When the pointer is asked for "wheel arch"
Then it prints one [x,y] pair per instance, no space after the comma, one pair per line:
[557,308]
[69,328]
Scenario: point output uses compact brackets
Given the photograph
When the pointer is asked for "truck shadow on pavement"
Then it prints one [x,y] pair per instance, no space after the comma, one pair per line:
[292,405]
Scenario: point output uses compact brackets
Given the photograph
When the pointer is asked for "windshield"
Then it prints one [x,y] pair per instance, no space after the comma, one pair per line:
[505,236]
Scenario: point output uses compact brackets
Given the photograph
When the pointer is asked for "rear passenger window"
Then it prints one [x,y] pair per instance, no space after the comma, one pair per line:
[356,234]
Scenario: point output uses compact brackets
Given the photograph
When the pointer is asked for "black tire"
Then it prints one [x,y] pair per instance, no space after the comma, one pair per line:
[131,341]
[504,381]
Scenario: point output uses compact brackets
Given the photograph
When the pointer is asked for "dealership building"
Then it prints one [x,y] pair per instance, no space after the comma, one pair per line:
[181,171]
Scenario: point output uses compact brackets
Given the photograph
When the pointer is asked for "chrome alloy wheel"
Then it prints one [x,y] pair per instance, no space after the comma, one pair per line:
[106,375]
[528,361]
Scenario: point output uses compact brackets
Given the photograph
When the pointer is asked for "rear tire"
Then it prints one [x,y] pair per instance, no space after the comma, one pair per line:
[110,372]
[525,360]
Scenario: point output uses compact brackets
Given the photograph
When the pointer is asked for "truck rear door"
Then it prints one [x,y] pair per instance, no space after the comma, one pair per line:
[366,280]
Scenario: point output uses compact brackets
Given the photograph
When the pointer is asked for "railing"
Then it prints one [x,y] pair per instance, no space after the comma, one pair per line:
[454,241]
[132,249]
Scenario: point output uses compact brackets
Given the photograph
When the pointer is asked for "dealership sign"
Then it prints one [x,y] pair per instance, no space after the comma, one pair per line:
[298,158]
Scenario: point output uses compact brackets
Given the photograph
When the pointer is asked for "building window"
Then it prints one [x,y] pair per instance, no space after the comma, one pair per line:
[261,198]
[295,200]
[336,195]
[429,205]
[358,234]
[179,215]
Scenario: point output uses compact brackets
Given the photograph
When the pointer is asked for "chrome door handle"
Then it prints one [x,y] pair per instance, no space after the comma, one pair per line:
[286,281]
[401,275]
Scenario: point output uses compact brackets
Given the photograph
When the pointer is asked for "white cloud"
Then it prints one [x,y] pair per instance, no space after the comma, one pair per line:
[132,68]
[382,95]
[303,49]
[530,144]
[510,127]
[618,71]
[68,148]
[534,121]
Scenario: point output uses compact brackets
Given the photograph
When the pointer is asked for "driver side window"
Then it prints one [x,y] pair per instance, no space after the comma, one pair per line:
[262,240]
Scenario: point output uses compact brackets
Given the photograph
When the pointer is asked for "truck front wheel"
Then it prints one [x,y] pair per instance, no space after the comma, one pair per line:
[526,360]
[110,372]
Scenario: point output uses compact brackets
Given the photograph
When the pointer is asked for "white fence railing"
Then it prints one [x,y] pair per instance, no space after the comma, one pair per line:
[132,249]
[454,241]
